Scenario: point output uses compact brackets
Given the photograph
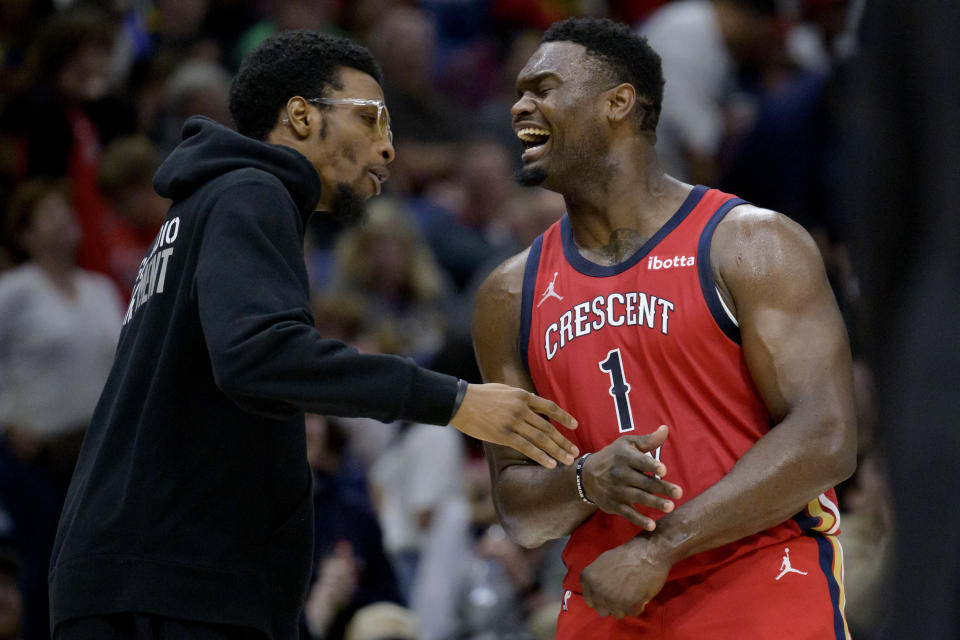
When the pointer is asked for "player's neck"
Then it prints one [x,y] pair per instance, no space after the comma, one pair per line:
[637,196]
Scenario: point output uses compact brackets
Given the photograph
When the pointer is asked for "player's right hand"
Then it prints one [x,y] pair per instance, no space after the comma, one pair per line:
[622,475]
[514,418]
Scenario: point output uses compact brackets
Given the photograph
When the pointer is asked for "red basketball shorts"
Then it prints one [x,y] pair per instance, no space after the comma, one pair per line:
[790,591]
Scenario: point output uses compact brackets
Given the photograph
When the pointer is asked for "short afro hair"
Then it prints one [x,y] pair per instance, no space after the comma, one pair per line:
[288,64]
[629,57]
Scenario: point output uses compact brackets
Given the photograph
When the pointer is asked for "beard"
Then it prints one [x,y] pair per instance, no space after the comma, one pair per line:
[348,207]
[530,176]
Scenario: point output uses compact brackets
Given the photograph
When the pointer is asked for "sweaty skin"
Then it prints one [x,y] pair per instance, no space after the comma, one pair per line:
[770,275]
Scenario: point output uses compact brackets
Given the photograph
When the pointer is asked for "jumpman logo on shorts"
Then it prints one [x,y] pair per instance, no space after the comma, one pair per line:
[785,567]
[550,292]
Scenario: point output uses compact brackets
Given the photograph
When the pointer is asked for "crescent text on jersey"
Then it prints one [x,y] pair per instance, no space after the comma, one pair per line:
[631,309]
[153,269]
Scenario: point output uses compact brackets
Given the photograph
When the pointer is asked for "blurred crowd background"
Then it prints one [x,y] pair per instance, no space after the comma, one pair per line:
[92,98]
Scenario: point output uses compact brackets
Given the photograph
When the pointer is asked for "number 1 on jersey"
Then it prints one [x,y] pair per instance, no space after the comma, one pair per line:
[619,389]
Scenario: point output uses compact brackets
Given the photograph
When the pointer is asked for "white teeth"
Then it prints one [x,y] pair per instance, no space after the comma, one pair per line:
[531,134]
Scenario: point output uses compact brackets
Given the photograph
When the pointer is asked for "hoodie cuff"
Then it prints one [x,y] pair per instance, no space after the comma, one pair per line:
[432,397]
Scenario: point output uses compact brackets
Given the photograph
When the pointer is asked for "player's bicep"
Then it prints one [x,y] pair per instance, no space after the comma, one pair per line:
[496,343]
[793,336]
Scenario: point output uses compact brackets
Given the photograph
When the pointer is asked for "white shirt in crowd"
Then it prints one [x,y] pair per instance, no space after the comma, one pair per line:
[55,351]
[419,472]
[698,77]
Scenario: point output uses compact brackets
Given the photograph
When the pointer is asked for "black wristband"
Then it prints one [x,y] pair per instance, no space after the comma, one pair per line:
[461,394]
[580,462]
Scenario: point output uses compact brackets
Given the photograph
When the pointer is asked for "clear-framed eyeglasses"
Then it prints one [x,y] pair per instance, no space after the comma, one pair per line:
[383,116]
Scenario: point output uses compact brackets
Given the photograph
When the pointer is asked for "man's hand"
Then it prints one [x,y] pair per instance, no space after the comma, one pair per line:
[515,418]
[621,581]
[337,580]
[621,475]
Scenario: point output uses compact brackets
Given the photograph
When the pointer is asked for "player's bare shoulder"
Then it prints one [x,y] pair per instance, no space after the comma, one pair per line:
[496,323]
[502,291]
[760,252]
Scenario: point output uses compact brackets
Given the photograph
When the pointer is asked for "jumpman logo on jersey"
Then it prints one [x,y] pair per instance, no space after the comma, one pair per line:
[551,292]
[566,596]
[785,566]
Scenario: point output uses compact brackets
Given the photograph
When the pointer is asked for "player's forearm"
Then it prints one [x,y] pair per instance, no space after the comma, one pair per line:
[537,504]
[794,463]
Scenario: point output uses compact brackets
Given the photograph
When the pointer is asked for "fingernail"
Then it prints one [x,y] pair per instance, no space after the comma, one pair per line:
[576,452]
[668,506]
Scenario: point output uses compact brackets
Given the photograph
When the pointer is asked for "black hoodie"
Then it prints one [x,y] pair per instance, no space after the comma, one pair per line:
[192,496]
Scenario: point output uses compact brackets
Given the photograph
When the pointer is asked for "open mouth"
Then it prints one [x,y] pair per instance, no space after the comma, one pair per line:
[534,142]
[378,176]
[376,182]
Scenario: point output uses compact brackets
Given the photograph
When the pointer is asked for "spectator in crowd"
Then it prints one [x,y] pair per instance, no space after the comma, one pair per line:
[822,34]
[427,125]
[62,122]
[314,15]
[57,339]
[178,28]
[196,87]
[388,262]
[59,331]
[703,44]
[126,179]
[352,569]
[412,482]
[346,315]
[456,213]
[505,587]
[485,179]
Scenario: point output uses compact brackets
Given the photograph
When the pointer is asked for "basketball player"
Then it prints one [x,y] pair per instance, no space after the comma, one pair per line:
[697,340]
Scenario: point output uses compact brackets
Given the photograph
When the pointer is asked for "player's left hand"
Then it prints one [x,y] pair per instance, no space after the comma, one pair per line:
[621,581]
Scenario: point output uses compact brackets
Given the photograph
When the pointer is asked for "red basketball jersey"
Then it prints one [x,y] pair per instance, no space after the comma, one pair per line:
[629,347]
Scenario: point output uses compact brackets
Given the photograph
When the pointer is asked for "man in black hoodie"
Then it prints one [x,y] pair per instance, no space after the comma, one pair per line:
[190,511]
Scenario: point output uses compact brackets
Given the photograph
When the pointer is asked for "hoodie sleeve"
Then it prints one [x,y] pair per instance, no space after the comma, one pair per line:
[266,355]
